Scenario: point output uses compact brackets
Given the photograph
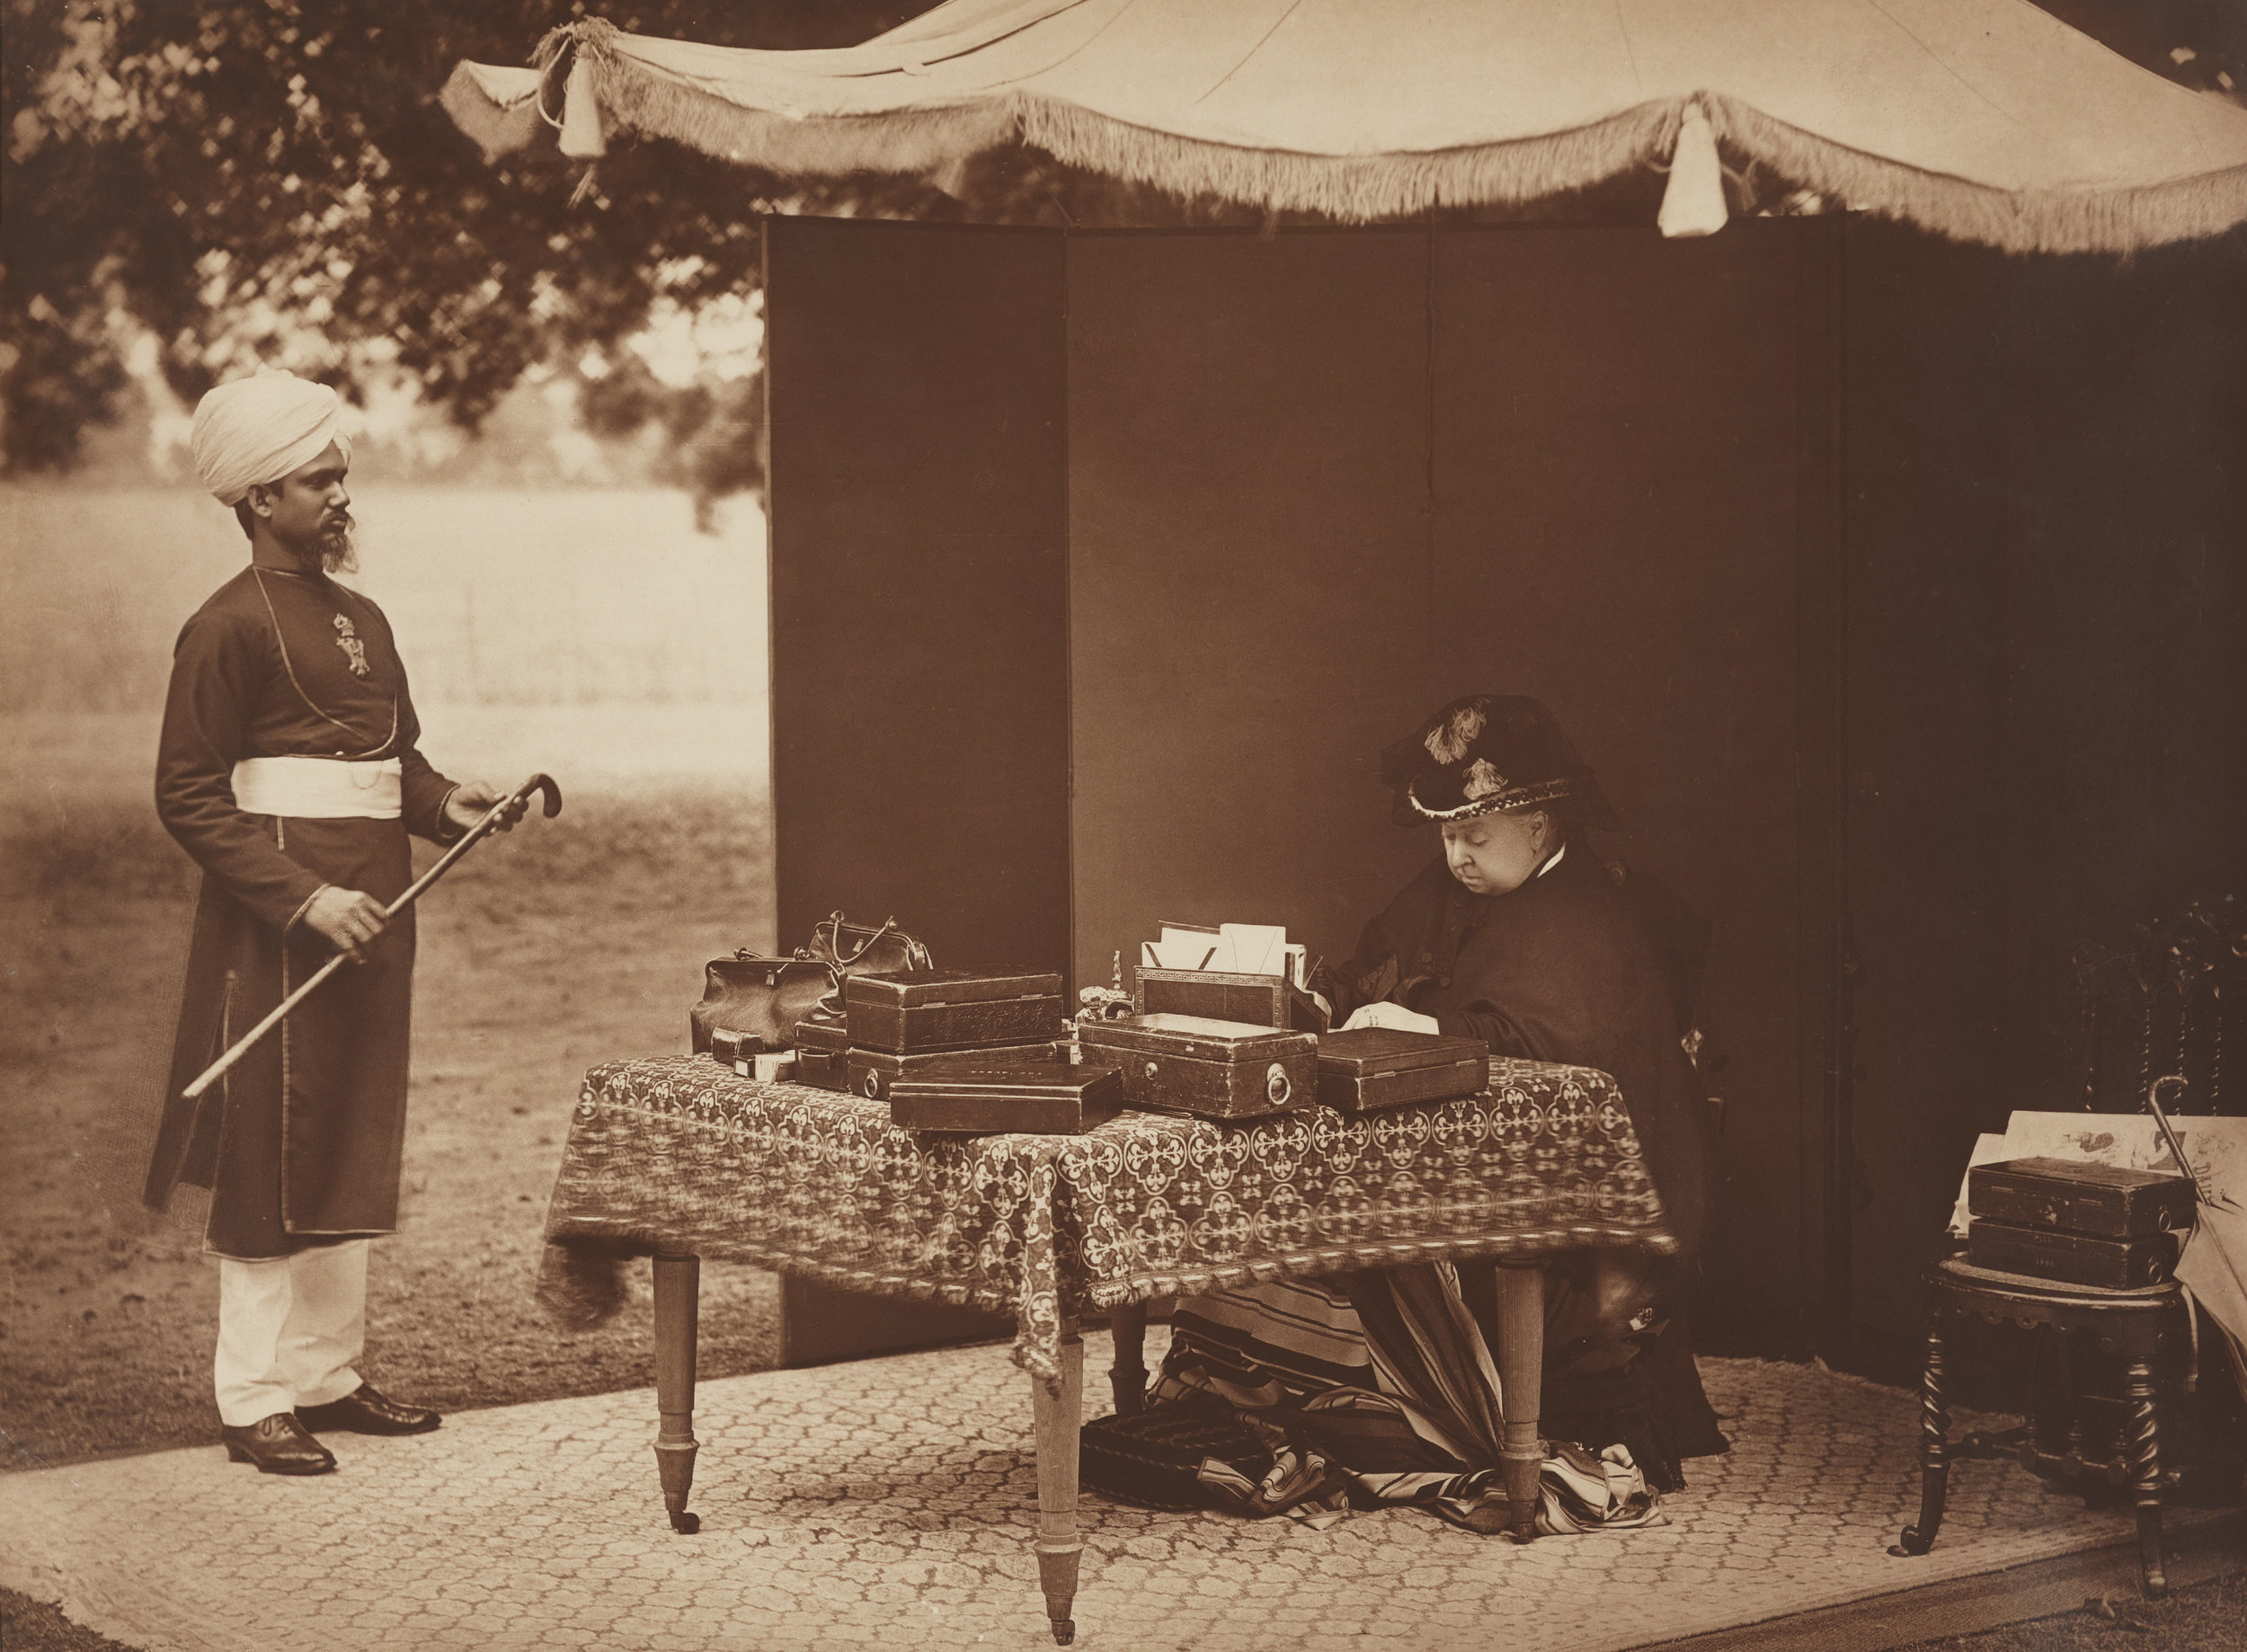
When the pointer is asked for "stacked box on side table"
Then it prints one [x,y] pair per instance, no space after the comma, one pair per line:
[2073,1223]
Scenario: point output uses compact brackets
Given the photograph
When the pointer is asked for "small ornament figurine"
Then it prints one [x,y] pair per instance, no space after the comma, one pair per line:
[1110,1003]
[347,639]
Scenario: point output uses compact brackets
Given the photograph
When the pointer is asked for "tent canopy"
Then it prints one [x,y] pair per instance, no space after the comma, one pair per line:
[1988,121]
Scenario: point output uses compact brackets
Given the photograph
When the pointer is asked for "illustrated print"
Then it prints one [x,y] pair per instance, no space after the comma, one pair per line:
[347,639]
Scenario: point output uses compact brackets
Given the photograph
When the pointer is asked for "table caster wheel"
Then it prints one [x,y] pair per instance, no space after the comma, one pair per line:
[687,1523]
[1064,1631]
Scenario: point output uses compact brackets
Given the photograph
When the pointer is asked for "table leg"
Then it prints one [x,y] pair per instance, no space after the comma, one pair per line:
[1127,1377]
[1059,1549]
[1521,1377]
[678,1290]
[2142,1443]
[1934,1444]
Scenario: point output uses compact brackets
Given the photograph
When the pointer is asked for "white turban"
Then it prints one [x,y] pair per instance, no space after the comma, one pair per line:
[259,430]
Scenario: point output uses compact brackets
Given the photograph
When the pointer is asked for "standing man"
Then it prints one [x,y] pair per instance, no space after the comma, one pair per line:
[288,770]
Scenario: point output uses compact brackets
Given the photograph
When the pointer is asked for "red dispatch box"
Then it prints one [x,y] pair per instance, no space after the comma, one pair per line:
[1191,1065]
[2072,1259]
[919,1012]
[1383,1067]
[2076,1198]
[972,1094]
[870,1072]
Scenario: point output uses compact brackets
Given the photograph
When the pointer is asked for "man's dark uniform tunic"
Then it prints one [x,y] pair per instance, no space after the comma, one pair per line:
[1558,970]
[300,1142]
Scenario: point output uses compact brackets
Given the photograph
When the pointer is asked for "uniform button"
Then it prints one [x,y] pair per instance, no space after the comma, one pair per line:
[1443,981]
[1427,957]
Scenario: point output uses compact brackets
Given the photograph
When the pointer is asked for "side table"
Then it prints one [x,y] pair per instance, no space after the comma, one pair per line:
[2128,1323]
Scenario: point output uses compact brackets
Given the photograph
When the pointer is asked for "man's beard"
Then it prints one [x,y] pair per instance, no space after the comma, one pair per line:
[338,549]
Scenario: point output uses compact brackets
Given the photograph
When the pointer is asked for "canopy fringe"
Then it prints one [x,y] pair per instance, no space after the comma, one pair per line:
[1360,188]
[1357,189]
[916,141]
[2087,220]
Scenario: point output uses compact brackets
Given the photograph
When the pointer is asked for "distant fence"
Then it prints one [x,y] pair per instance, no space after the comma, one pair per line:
[498,598]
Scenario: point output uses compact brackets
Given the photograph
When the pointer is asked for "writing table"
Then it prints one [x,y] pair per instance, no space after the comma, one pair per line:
[678,1158]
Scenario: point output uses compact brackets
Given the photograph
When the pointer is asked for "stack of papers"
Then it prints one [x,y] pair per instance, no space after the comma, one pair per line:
[1230,949]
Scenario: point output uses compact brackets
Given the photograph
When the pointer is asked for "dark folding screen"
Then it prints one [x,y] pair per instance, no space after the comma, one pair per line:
[1313,485]
[1616,531]
[919,585]
[2047,566]
[1250,600]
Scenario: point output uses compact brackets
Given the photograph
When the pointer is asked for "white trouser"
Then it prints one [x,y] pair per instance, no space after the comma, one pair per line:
[289,1331]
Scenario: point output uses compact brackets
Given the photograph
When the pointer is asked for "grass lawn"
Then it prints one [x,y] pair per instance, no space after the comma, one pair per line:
[573,941]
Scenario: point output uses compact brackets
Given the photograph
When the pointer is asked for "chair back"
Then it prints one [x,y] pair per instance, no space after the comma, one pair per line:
[2170,998]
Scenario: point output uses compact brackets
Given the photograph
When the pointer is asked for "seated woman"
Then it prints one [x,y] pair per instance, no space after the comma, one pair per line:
[1518,935]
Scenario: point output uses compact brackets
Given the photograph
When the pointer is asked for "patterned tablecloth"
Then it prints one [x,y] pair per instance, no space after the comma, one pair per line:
[678,1154]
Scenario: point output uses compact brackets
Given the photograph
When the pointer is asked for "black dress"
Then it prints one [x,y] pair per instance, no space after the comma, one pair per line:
[1568,968]
[1560,970]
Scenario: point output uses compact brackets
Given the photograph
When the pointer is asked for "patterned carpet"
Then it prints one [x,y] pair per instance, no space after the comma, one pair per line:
[890,1502]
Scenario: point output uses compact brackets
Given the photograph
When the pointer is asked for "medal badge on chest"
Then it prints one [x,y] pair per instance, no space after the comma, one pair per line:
[347,639]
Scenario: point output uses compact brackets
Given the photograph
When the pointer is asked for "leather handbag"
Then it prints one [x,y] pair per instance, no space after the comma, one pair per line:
[762,997]
[856,949]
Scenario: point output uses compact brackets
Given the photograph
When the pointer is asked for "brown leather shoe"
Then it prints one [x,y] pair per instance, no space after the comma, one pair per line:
[278,1444]
[363,1410]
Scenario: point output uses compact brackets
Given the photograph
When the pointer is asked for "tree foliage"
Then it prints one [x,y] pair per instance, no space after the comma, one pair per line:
[217,181]
[274,180]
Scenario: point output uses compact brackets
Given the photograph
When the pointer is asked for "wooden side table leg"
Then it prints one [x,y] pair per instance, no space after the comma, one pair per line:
[1522,1377]
[2146,1476]
[1935,1445]
[1059,1547]
[677,1292]
[1127,1377]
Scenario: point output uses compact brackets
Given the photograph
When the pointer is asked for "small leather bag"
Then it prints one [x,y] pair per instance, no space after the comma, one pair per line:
[764,997]
[855,949]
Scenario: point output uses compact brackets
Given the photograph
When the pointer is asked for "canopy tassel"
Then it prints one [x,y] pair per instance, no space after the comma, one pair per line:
[581,135]
[1694,204]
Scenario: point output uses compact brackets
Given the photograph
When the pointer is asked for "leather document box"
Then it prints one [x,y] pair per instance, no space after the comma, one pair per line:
[974,1096]
[1175,1063]
[821,1052]
[870,1072]
[921,1011]
[2072,1259]
[1262,1001]
[1383,1067]
[2079,1198]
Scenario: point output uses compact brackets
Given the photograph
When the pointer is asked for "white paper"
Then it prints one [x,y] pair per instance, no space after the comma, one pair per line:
[1232,949]
[1258,948]
[1188,946]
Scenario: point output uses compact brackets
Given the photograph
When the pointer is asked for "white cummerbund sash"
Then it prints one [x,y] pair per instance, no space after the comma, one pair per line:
[319,788]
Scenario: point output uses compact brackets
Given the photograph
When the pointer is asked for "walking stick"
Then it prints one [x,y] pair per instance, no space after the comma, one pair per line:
[242,1046]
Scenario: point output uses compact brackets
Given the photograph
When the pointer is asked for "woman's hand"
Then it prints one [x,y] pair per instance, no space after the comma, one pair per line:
[1394,1016]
